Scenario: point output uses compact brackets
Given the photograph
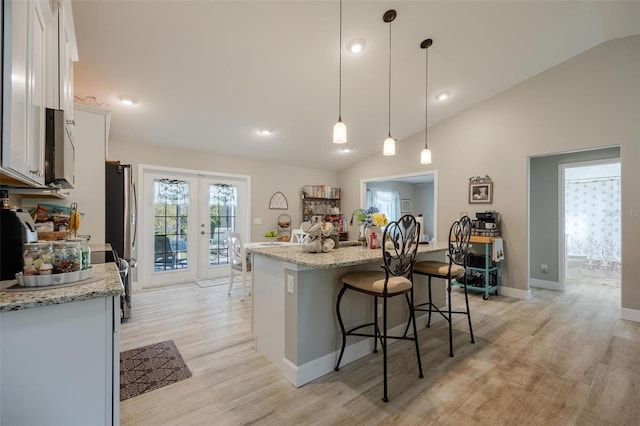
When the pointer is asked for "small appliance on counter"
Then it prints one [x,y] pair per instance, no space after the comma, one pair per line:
[487,224]
[16,229]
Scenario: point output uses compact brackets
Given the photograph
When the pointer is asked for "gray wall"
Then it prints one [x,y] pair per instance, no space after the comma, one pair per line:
[589,101]
[544,241]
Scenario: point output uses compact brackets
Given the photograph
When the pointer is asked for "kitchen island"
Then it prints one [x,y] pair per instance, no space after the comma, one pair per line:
[59,353]
[294,296]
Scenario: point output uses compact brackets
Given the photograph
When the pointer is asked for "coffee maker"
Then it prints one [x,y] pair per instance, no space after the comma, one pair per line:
[487,224]
[16,229]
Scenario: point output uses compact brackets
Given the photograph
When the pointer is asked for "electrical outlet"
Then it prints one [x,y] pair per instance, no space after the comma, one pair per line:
[544,268]
[379,309]
[257,221]
[290,287]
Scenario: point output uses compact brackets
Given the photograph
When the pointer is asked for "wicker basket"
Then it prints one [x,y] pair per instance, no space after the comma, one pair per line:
[53,235]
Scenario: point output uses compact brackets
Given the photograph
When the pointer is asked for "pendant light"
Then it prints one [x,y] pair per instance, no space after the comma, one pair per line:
[340,129]
[425,155]
[389,147]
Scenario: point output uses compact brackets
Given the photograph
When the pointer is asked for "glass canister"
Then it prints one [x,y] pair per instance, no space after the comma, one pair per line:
[38,258]
[67,257]
[85,251]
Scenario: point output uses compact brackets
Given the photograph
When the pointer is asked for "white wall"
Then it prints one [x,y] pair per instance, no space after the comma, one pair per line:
[589,101]
[266,178]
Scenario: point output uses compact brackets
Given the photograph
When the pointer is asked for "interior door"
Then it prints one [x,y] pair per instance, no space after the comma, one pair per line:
[170,235]
[223,209]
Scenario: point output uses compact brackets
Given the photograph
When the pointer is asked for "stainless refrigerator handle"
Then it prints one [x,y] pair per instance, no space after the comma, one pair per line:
[135,215]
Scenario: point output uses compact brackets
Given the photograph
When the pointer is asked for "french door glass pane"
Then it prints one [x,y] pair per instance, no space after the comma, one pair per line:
[171,206]
[223,207]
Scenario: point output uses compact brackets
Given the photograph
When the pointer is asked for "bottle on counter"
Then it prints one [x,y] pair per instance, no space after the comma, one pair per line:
[85,250]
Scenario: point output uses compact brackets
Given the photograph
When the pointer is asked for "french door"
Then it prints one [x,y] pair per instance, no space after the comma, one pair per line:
[185,223]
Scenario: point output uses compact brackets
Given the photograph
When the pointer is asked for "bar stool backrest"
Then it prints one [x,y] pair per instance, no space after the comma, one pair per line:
[399,249]
[459,236]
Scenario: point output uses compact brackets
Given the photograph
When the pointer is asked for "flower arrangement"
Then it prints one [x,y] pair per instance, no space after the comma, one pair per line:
[370,217]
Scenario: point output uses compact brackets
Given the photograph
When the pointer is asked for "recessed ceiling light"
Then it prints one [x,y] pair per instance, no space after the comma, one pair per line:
[127,100]
[345,150]
[265,132]
[356,46]
[443,96]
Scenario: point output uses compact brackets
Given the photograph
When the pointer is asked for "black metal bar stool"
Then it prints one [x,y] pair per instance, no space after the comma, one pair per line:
[399,254]
[459,236]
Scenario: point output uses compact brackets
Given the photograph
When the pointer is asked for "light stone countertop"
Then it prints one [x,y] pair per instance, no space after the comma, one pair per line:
[336,258]
[104,283]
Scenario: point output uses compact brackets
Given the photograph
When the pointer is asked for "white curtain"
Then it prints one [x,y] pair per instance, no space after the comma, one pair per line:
[171,192]
[388,202]
[592,220]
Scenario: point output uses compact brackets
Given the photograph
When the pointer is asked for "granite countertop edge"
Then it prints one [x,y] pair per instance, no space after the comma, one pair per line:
[107,284]
[337,258]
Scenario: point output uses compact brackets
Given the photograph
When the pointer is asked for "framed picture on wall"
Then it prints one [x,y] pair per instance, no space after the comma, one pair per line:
[405,206]
[481,193]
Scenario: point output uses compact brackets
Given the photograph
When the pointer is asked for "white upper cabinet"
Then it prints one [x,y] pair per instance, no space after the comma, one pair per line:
[63,52]
[38,52]
[23,88]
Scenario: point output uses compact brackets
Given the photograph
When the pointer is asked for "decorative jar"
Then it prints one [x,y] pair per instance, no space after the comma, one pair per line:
[37,258]
[67,257]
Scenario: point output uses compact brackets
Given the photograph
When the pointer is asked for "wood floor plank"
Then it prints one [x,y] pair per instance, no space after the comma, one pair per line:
[559,358]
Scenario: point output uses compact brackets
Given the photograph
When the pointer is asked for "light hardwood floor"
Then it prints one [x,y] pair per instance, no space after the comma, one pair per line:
[558,359]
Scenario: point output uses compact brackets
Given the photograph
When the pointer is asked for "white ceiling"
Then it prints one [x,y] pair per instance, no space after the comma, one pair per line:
[209,74]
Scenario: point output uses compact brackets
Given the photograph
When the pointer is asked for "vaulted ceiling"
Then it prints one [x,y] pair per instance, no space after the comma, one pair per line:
[208,74]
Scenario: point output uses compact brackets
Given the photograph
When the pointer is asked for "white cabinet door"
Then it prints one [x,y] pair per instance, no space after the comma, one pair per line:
[23,130]
[58,364]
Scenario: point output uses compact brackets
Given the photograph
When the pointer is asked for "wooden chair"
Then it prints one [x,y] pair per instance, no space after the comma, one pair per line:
[238,261]
[298,236]
[396,279]
[459,236]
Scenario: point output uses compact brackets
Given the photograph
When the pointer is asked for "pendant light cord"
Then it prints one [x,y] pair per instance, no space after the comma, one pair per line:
[340,72]
[426,96]
[389,79]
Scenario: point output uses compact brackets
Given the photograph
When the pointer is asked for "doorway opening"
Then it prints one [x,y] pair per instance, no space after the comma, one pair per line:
[592,222]
[414,194]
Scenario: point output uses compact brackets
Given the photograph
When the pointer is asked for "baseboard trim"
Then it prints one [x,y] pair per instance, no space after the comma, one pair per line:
[630,314]
[299,375]
[516,293]
[549,285]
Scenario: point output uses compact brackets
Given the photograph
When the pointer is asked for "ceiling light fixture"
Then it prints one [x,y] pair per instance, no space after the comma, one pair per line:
[265,132]
[389,147]
[356,46]
[425,155]
[340,129]
[127,100]
[345,150]
[443,96]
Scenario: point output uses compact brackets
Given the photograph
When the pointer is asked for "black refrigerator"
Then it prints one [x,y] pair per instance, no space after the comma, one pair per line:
[120,223]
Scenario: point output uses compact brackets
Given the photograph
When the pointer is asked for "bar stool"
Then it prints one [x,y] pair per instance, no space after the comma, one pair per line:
[399,254]
[459,235]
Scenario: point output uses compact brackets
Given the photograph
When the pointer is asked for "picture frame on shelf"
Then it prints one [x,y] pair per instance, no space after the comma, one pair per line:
[406,206]
[480,192]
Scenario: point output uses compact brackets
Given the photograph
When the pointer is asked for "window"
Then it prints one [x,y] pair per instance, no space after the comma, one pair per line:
[388,202]
[171,206]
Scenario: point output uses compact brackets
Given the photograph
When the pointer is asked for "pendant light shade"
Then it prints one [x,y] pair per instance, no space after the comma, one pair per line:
[340,129]
[389,147]
[425,155]
[340,132]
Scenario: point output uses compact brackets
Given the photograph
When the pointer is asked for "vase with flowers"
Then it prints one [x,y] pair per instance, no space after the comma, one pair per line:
[372,220]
